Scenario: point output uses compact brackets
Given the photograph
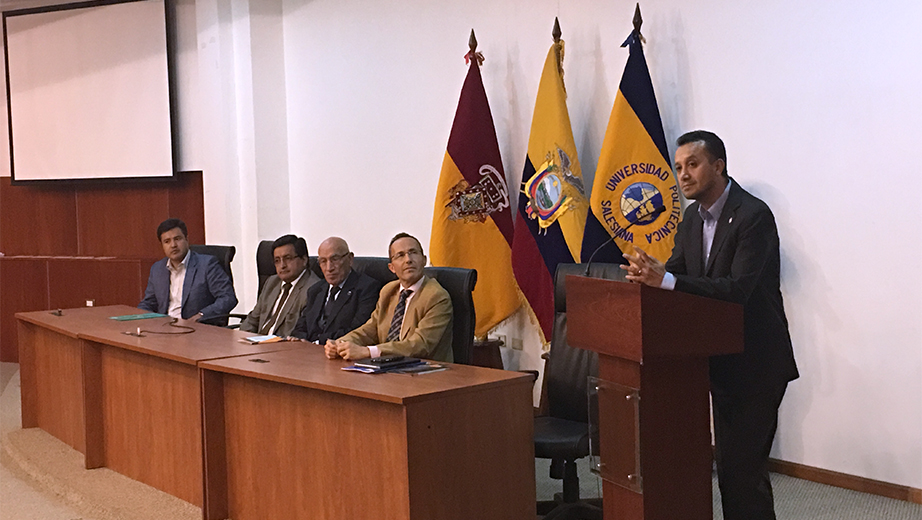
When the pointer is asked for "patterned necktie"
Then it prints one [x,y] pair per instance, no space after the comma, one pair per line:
[328,307]
[286,287]
[393,334]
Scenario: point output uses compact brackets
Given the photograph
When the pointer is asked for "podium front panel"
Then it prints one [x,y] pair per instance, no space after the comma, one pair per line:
[616,452]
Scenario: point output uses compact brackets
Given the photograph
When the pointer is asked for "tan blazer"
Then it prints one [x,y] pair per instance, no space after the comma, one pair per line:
[290,312]
[427,323]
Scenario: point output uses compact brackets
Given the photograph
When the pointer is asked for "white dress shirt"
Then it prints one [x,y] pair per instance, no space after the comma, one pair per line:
[177,277]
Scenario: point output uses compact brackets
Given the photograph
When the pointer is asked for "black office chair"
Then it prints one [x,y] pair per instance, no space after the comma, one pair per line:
[225,255]
[265,268]
[459,282]
[563,434]
[265,263]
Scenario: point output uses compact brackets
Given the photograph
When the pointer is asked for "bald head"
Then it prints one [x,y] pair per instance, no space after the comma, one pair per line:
[335,260]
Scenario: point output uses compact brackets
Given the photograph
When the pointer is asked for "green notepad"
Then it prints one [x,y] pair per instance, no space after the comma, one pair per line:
[129,317]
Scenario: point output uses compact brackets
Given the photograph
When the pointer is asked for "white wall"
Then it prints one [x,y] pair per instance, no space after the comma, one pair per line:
[346,107]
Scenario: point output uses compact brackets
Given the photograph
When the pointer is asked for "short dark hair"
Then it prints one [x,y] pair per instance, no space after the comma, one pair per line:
[398,236]
[299,243]
[171,223]
[712,144]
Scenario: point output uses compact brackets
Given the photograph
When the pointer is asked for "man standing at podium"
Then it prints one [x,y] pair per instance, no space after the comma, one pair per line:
[727,248]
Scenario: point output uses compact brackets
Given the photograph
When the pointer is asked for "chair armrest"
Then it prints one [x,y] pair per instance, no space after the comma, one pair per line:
[533,373]
[220,320]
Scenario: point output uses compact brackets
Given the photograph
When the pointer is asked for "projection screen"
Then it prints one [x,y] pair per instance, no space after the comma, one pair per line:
[88,91]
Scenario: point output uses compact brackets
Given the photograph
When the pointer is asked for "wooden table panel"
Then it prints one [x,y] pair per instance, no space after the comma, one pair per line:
[302,453]
[152,421]
[52,384]
[305,439]
[472,455]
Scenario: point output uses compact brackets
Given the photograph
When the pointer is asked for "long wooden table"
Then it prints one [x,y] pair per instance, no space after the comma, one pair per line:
[297,437]
[277,431]
[132,404]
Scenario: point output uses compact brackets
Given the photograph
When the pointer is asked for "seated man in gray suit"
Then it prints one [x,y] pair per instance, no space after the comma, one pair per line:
[185,284]
[342,302]
[285,293]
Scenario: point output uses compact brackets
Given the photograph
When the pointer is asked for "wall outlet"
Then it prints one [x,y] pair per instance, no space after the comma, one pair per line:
[91,303]
[516,344]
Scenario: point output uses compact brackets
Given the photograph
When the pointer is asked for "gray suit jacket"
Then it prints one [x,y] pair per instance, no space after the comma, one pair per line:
[290,312]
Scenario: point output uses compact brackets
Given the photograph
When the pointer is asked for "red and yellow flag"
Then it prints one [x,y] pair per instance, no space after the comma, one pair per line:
[472,220]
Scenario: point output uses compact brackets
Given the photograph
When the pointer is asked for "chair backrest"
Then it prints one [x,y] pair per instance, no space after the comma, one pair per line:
[373,266]
[567,369]
[224,254]
[265,263]
[459,282]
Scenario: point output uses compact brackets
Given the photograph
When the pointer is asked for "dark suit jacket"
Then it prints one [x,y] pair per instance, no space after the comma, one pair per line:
[352,308]
[744,267]
[427,323]
[206,288]
[297,300]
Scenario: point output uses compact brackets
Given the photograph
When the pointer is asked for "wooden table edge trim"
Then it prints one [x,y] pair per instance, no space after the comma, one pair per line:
[22,316]
[518,379]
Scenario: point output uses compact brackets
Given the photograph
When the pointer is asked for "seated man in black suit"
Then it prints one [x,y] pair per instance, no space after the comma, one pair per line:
[340,303]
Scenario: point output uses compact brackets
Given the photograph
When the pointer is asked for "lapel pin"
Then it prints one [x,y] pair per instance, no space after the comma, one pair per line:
[730,221]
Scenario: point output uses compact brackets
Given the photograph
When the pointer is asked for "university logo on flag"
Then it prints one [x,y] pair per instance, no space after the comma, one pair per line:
[635,198]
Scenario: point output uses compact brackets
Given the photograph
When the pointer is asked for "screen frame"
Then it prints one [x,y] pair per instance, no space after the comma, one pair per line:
[170,33]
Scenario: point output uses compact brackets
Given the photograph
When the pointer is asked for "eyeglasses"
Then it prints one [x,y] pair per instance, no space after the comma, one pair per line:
[401,255]
[335,259]
[287,259]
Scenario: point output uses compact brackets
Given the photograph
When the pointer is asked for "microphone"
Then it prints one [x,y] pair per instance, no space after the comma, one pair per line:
[656,211]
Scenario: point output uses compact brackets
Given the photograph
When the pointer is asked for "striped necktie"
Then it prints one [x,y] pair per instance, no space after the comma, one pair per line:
[286,287]
[393,334]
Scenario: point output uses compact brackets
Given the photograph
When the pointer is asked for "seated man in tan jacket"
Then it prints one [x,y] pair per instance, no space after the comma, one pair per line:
[413,316]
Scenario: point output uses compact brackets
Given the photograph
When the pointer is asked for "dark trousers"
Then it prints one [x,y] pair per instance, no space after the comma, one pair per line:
[744,427]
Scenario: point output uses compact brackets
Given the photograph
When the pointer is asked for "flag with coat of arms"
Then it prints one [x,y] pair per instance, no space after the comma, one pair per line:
[552,207]
[472,218]
[635,199]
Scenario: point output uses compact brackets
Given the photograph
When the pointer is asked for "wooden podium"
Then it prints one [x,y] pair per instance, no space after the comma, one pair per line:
[654,421]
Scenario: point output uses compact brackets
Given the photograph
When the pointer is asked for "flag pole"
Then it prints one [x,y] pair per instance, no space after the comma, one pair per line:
[638,21]
[473,54]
